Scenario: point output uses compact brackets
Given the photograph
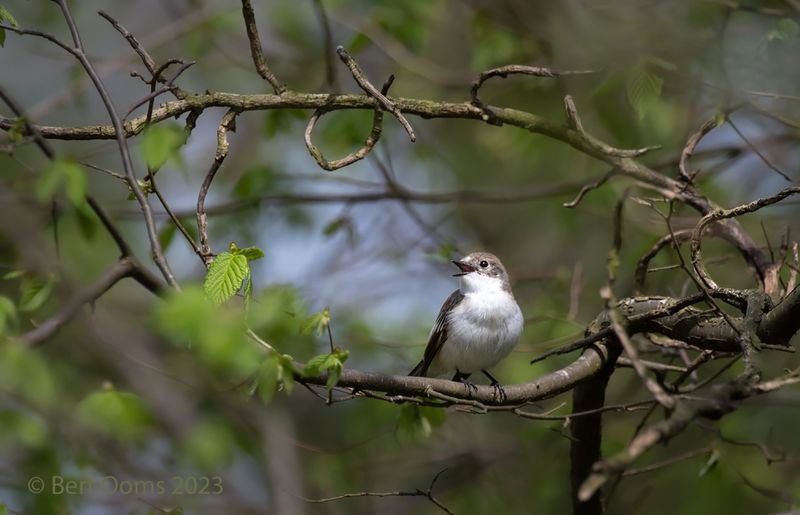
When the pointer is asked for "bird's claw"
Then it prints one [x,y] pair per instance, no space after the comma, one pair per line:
[471,388]
[499,392]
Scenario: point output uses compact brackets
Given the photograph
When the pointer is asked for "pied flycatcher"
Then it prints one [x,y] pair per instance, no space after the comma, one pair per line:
[478,325]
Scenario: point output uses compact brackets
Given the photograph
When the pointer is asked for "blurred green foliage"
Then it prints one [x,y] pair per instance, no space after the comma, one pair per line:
[195,390]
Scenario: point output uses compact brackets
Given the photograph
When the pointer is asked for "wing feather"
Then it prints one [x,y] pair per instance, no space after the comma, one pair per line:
[438,335]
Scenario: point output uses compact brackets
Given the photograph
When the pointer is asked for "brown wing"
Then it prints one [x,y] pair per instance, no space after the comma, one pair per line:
[438,334]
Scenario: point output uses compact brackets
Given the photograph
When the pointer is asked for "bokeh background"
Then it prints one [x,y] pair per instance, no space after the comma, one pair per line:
[117,393]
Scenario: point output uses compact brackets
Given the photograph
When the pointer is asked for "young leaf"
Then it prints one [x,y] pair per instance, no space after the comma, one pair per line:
[418,421]
[251,253]
[6,16]
[317,322]
[335,367]
[314,366]
[286,372]
[118,414]
[643,89]
[66,172]
[33,293]
[333,363]
[7,312]
[160,143]
[225,276]
[167,234]
[713,458]
[784,29]
[248,291]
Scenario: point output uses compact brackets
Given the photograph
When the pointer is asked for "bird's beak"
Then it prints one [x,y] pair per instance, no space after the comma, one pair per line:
[464,267]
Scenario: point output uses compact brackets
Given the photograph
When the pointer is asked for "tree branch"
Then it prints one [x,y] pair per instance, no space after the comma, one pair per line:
[255,48]
[125,267]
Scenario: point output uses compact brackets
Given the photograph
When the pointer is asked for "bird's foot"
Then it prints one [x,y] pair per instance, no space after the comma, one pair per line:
[499,392]
[471,388]
[462,378]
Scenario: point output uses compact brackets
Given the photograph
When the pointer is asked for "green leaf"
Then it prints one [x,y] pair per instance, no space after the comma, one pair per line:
[334,372]
[443,252]
[23,372]
[662,63]
[643,89]
[333,363]
[3,507]
[248,291]
[256,181]
[317,322]
[14,274]
[210,445]
[87,220]
[784,29]
[34,292]
[160,143]
[251,253]
[6,16]
[710,463]
[214,332]
[119,414]
[66,172]
[314,365]
[225,276]
[287,372]
[167,234]
[18,427]
[358,43]
[337,224]
[418,421]
[7,312]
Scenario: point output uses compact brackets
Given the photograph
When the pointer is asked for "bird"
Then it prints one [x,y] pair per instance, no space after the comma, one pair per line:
[477,326]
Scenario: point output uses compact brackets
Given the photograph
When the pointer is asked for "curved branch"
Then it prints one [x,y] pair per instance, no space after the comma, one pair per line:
[691,143]
[771,282]
[372,139]
[640,275]
[372,91]
[505,71]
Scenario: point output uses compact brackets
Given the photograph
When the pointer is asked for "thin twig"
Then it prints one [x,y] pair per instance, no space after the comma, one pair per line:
[228,123]
[147,60]
[125,267]
[119,131]
[691,143]
[763,157]
[372,91]
[256,51]
[414,493]
[512,69]
[327,36]
[721,214]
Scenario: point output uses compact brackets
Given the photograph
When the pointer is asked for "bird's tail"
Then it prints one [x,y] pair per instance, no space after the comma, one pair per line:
[419,370]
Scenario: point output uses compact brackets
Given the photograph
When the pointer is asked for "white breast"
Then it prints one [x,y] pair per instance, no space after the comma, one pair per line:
[482,330]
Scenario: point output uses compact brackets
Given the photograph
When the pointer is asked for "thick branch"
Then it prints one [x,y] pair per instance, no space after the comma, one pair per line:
[544,387]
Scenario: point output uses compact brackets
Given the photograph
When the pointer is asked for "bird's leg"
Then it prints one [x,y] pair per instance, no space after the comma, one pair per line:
[500,393]
[462,378]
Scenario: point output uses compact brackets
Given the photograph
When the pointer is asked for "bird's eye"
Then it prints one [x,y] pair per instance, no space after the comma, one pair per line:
[484,264]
